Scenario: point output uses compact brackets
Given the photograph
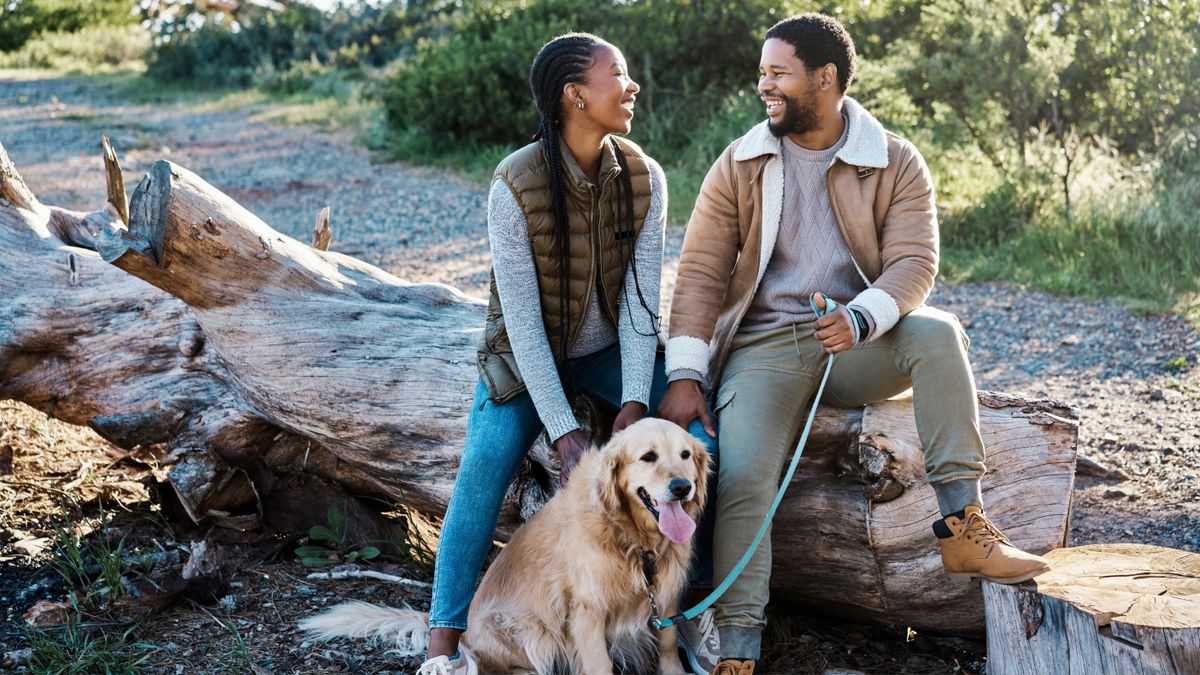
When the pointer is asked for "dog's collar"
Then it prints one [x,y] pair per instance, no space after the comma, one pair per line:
[650,570]
[649,566]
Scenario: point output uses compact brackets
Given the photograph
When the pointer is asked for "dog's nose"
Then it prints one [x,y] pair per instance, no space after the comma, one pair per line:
[680,487]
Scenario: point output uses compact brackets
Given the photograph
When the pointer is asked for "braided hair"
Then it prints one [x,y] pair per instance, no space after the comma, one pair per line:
[562,61]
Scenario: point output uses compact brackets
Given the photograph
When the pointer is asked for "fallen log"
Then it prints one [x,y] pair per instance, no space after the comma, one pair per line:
[1108,608]
[265,367]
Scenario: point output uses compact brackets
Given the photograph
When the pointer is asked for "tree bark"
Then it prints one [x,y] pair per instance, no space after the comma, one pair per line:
[269,369]
[1109,608]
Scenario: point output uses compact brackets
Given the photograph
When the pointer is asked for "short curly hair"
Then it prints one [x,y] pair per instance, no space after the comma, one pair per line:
[817,40]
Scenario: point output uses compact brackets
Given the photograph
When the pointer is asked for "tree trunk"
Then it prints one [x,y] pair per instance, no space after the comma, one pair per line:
[272,371]
[1109,608]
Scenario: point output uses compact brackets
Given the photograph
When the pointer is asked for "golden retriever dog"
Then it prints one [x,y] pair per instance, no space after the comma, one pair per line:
[569,593]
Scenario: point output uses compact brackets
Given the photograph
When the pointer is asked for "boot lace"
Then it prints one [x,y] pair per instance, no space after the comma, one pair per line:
[981,531]
[732,667]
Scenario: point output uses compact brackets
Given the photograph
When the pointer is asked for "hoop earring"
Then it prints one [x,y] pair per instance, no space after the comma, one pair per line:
[579,104]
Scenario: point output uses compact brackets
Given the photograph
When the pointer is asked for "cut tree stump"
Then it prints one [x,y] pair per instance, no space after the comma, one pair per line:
[1107,608]
[278,378]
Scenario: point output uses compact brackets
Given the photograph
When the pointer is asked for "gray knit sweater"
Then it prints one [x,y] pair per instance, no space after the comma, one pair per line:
[810,254]
[516,283]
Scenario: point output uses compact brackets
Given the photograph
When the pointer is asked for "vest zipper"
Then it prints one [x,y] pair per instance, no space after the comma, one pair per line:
[597,254]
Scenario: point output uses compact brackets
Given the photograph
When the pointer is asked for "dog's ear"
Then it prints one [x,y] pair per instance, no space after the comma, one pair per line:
[607,490]
[701,459]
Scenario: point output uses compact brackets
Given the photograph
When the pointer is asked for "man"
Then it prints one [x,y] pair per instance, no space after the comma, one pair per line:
[819,198]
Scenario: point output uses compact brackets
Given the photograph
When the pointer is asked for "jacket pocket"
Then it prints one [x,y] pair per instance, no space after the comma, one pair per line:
[500,375]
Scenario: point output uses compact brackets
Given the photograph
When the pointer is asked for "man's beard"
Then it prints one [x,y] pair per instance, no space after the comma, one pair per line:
[797,118]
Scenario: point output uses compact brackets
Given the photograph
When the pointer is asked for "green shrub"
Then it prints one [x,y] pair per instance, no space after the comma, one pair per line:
[686,55]
[24,20]
[729,119]
[90,49]
[450,90]
[216,49]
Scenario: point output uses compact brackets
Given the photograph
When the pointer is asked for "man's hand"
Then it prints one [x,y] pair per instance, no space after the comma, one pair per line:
[570,447]
[835,331]
[683,403]
[631,412]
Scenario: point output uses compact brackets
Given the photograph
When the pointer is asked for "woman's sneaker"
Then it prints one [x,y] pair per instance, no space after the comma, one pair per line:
[700,643]
[444,665]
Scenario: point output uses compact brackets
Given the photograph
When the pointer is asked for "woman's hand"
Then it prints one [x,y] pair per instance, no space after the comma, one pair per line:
[570,447]
[631,412]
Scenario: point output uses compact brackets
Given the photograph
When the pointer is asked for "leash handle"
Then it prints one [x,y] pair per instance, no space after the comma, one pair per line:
[660,624]
[830,304]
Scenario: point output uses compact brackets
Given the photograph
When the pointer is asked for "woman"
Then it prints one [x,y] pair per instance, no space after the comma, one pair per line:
[576,222]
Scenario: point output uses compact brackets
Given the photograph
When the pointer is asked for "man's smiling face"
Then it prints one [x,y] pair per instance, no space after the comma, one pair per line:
[788,89]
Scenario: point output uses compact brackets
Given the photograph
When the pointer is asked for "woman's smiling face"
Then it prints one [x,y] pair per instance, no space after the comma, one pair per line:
[608,93]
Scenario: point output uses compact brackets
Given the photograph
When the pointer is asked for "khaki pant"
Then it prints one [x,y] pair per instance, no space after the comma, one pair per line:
[770,377]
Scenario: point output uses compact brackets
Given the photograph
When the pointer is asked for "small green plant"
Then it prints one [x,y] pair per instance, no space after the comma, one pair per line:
[71,562]
[1175,364]
[333,535]
[96,568]
[111,561]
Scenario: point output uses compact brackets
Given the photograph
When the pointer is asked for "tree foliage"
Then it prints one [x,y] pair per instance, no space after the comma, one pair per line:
[473,85]
[1007,68]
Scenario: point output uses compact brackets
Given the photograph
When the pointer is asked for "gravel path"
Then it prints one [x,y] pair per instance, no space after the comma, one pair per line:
[1134,378]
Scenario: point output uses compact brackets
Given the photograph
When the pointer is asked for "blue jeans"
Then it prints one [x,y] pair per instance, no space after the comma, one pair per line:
[498,437]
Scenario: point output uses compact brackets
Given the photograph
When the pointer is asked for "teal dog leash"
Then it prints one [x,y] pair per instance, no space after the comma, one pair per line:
[660,623]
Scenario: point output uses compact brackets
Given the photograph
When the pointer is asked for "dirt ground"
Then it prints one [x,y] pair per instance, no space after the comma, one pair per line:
[1133,377]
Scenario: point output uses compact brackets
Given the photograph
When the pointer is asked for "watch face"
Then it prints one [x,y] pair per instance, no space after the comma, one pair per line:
[860,321]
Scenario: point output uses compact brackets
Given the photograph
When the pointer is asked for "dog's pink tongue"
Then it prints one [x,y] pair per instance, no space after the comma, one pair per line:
[674,523]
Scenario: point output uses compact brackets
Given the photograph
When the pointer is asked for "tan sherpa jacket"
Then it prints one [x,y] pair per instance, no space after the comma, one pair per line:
[882,199]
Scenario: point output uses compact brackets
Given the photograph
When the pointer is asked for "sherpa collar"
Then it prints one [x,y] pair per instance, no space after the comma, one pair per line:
[866,140]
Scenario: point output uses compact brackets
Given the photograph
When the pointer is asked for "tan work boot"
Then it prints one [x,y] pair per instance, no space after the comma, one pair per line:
[734,667]
[973,547]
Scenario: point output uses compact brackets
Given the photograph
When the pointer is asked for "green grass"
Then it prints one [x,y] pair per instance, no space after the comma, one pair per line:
[1094,259]
[78,647]
[1134,236]
[469,160]
[88,642]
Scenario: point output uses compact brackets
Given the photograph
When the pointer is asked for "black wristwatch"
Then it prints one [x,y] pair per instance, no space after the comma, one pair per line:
[861,321]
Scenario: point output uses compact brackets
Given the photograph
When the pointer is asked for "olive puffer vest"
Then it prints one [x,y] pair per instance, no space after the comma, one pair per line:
[597,240]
